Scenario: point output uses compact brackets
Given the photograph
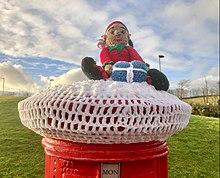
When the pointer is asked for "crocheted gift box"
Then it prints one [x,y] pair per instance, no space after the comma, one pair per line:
[135,71]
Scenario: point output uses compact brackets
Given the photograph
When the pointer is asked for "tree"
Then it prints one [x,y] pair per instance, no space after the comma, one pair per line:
[182,85]
[215,93]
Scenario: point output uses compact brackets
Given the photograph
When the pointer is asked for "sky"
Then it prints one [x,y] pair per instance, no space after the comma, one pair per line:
[44,40]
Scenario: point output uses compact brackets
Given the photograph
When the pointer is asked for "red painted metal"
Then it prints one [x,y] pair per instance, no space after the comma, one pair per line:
[65,159]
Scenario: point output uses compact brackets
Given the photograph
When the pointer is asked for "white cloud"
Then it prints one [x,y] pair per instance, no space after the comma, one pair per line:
[192,27]
[214,72]
[58,30]
[69,77]
[15,77]
[212,78]
[44,79]
[186,32]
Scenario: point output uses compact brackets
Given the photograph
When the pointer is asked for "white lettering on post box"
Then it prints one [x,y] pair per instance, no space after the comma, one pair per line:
[110,170]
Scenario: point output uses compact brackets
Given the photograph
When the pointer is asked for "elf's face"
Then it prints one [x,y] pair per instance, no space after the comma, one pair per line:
[116,34]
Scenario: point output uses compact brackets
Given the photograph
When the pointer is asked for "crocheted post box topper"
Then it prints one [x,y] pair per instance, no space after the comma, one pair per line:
[104,112]
[117,46]
[134,71]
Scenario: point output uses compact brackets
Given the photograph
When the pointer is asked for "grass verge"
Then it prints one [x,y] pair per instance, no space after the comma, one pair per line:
[194,152]
[21,153]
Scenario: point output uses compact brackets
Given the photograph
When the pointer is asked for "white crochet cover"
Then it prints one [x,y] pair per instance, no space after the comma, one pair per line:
[104,112]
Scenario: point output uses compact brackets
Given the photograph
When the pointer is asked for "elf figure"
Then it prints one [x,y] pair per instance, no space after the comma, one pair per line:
[117,46]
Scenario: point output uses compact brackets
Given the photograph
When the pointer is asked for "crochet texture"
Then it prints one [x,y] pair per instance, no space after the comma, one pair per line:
[104,112]
[135,71]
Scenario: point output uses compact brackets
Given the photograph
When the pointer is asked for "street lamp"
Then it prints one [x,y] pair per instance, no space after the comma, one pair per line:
[51,80]
[3,85]
[160,56]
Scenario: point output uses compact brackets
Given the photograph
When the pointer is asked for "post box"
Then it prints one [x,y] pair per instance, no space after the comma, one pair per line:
[105,129]
[79,160]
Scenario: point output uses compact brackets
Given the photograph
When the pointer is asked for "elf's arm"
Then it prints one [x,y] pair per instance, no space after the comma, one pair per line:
[106,60]
[104,56]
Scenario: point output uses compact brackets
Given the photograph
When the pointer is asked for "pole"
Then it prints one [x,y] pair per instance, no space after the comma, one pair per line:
[206,90]
[3,85]
[51,81]
[160,56]
[159,64]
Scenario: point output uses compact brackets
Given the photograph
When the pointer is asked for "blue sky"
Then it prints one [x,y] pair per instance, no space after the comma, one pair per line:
[41,40]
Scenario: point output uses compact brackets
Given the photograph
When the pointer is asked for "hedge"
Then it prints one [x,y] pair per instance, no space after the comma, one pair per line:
[206,110]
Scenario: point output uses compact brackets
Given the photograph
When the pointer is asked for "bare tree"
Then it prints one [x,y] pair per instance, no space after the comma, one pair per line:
[206,91]
[215,93]
[182,85]
[204,94]
[196,92]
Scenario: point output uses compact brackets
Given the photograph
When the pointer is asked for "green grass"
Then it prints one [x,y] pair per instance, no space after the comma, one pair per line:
[194,152]
[21,154]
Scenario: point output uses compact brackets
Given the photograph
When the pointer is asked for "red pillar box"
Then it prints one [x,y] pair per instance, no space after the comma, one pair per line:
[91,127]
[78,160]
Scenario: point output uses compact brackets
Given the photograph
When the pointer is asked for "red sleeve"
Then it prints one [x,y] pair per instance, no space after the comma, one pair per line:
[104,56]
[134,54]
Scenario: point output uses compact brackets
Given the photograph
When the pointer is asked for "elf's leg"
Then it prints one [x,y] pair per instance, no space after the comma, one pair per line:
[157,79]
[91,70]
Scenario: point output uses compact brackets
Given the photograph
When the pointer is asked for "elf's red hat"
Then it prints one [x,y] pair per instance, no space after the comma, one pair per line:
[114,22]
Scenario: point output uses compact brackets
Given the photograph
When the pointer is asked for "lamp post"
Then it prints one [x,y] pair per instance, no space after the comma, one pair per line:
[3,85]
[51,80]
[160,56]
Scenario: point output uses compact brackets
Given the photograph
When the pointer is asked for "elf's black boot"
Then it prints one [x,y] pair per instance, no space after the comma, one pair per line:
[91,70]
[159,80]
